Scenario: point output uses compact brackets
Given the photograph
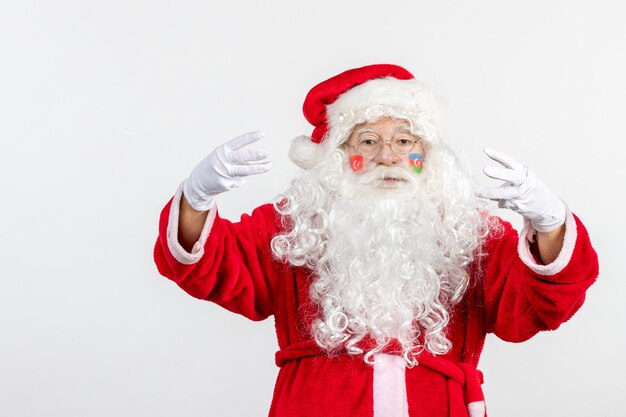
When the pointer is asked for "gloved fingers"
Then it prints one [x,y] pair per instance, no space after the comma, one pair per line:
[507,204]
[235,183]
[251,169]
[504,159]
[505,192]
[243,140]
[245,156]
[505,174]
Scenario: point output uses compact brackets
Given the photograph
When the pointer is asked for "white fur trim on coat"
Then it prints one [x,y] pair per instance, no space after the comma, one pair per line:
[390,398]
[476,409]
[569,241]
[179,253]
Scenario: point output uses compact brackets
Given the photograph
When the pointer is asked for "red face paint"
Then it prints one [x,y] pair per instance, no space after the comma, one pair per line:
[356,162]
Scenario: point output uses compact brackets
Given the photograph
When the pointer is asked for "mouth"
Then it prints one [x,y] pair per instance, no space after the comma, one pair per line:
[393,179]
[391,182]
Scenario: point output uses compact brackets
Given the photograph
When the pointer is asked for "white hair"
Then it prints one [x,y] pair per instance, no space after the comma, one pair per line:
[390,264]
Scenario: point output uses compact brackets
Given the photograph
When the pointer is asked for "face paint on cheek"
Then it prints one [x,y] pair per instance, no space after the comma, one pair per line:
[356,162]
[415,161]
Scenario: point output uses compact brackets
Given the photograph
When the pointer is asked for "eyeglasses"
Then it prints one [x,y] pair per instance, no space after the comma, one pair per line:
[369,145]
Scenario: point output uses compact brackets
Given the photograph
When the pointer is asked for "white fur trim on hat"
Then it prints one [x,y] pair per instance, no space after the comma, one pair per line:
[385,97]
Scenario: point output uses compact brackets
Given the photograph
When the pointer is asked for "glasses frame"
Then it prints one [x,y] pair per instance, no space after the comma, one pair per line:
[384,142]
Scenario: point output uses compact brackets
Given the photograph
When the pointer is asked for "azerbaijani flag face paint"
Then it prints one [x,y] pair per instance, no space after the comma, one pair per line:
[356,162]
[415,161]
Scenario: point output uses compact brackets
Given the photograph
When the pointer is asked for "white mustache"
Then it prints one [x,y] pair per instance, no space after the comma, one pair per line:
[381,173]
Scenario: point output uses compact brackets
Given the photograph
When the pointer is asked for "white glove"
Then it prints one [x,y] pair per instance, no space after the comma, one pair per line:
[224,169]
[523,193]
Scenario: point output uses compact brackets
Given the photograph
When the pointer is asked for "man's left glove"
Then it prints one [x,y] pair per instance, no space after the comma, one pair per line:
[523,193]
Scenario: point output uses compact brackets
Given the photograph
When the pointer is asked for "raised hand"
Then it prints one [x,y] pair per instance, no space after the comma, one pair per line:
[523,192]
[225,169]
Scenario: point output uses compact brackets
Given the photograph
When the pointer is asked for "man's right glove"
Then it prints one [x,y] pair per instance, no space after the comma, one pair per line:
[224,169]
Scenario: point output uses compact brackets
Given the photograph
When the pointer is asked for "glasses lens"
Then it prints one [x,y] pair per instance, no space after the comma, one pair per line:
[403,144]
[369,145]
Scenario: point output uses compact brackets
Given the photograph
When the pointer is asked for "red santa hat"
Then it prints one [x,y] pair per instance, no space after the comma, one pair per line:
[366,94]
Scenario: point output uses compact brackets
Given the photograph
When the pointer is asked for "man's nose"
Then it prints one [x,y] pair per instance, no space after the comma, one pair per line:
[386,155]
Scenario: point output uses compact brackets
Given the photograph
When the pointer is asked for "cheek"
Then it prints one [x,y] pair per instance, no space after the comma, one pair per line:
[406,160]
[415,159]
[356,162]
[369,164]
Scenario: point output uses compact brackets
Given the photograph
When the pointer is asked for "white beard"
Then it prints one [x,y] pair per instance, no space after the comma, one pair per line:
[376,276]
[389,261]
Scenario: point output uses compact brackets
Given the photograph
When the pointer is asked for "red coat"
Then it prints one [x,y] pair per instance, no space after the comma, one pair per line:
[510,295]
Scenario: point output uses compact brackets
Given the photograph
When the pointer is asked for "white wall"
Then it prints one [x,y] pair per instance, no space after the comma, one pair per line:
[106,106]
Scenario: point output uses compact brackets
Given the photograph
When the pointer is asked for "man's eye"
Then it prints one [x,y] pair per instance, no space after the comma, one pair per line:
[369,142]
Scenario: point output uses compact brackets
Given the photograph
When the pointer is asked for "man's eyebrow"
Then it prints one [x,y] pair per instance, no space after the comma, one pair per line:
[402,128]
[397,129]
[365,130]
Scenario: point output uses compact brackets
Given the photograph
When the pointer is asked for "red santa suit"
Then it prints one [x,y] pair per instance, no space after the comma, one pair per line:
[510,294]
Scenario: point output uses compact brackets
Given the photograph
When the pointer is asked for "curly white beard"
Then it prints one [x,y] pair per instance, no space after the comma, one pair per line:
[390,262]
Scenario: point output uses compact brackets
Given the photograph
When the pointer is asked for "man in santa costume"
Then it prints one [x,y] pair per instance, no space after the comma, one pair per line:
[381,265]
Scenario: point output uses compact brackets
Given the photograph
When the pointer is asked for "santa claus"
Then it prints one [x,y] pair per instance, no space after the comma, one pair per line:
[381,264]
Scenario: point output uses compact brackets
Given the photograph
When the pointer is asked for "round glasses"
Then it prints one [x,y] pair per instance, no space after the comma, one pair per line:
[370,145]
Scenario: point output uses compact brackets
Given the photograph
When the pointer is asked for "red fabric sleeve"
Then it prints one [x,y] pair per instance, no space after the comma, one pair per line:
[236,270]
[519,302]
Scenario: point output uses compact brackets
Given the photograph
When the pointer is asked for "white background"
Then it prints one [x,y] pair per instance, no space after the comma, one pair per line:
[105,107]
